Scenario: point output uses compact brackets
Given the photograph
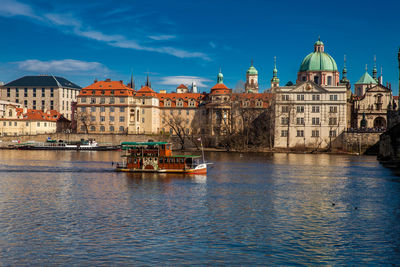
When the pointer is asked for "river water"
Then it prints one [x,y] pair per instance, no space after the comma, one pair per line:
[69,208]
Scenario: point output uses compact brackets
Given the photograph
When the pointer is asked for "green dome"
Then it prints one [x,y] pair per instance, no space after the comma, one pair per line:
[252,71]
[220,75]
[319,42]
[318,61]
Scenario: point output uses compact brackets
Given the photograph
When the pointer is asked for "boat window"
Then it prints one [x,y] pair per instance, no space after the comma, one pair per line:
[135,161]
[177,160]
[161,160]
[182,160]
[171,160]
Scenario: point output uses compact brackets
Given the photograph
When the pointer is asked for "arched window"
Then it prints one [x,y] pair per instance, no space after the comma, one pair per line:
[316,79]
[111,128]
[329,80]
[102,129]
[121,128]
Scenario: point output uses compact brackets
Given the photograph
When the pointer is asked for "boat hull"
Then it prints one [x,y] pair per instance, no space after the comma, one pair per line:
[198,170]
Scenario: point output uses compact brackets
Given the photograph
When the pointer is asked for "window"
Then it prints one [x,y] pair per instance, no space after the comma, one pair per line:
[315,121]
[329,80]
[332,121]
[143,101]
[316,79]
[92,118]
[16,92]
[285,109]
[300,121]
[51,104]
[332,133]
[93,109]
[83,109]
[285,121]
[285,97]
[8,92]
[34,104]
[102,100]
[142,120]
[122,109]
[34,92]
[111,128]
[122,100]
[38,124]
[121,128]
[315,133]
[111,109]
[102,128]
[300,97]
[333,109]
[315,109]
[315,97]
[300,109]
[25,92]
[83,129]
[180,103]
[121,119]
[102,118]
[51,92]
[4,123]
[27,123]
[93,100]
[142,111]
[102,109]
[333,97]
[83,99]
[111,118]
[43,104]
[284,133]
[43,92]
[300,133]
[187,112]
[92,128]
[112,100]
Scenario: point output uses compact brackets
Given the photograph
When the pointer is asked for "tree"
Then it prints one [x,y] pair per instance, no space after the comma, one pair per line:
[83,118]
[178,126]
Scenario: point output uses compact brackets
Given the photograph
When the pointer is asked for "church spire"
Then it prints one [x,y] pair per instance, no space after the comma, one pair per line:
[220,77]
[275,79]
[344,72]
[132,82]
[375,71]
[148,83]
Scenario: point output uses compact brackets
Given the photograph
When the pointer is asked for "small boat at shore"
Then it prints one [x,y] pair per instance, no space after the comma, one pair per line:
[90,145]
[157,157]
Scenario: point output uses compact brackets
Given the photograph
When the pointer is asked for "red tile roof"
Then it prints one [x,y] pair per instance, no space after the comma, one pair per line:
[185,97]
[38,115]
[182,86]
[107,88]
[146,91]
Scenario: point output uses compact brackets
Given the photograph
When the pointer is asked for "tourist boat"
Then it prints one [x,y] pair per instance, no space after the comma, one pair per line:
[61,145]
[157,157]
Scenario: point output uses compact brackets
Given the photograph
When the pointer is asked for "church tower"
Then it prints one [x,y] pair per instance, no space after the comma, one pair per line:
[375,71]
[275,79]
[251,85]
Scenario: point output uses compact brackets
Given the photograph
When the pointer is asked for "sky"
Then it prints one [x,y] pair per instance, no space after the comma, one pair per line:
[178,42]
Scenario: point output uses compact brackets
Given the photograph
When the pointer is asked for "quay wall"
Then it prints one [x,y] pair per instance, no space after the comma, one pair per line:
[357,142]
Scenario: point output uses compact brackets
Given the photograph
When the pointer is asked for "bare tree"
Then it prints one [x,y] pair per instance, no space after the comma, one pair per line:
[83,118]
[178,126]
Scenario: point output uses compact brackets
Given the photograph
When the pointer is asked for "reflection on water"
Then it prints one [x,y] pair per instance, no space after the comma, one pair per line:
[70,208]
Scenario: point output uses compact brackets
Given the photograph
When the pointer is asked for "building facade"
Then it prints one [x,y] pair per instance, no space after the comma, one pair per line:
[313,112]
[42,93]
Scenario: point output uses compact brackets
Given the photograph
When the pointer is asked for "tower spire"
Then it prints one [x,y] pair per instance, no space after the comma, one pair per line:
[148,83]
[344,72]
[132,83]
[375,71]
[275,79]
[220,77]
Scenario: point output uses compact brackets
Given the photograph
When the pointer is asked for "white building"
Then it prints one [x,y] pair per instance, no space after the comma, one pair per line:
[311,113]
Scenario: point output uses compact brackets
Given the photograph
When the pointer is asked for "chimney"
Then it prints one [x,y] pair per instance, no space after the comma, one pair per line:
[95,80]
[108,80]
[121,81]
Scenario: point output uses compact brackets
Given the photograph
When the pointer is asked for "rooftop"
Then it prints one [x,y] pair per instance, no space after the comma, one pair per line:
[43,81]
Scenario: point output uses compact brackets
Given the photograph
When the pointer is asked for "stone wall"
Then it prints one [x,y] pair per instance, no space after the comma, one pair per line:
[357,142]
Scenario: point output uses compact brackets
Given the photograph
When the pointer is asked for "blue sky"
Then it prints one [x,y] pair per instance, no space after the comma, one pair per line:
[180,41]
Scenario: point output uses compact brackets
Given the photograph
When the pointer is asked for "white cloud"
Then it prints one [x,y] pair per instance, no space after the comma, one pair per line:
[187,80]
[75,26]
[162,37]
[11,8]
[65,65]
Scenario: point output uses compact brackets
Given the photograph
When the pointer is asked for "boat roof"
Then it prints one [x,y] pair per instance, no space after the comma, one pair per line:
[143,143]
[173,156]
